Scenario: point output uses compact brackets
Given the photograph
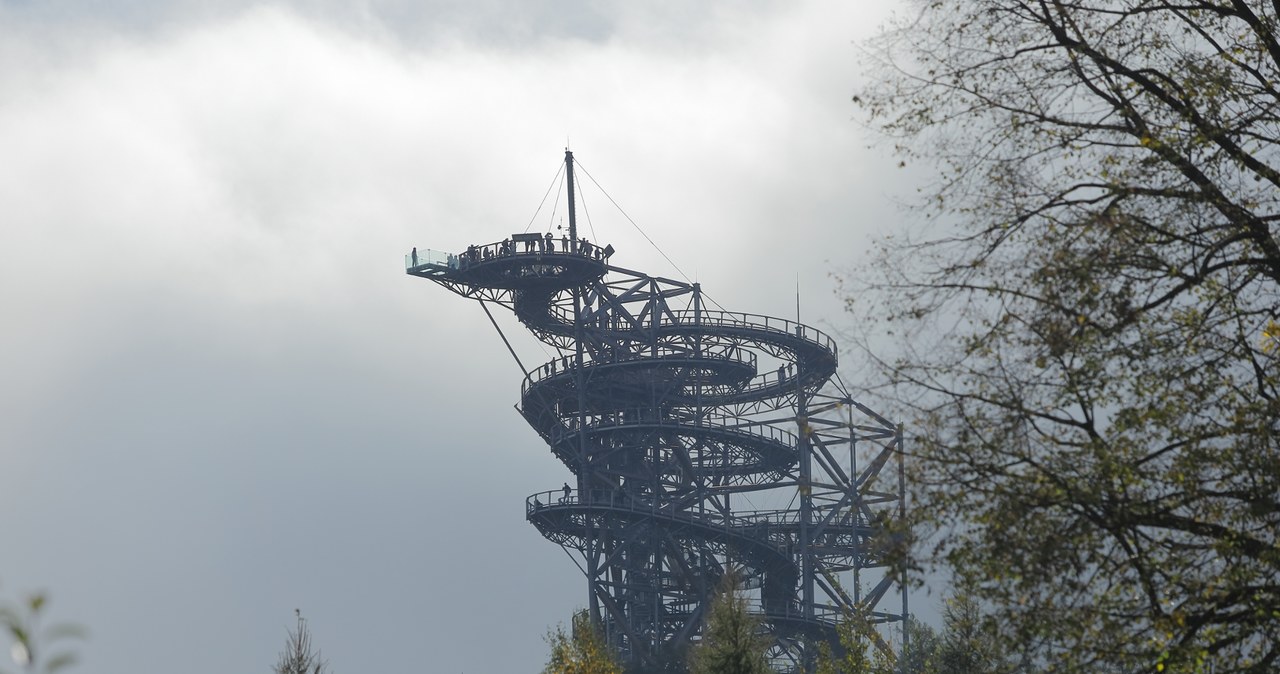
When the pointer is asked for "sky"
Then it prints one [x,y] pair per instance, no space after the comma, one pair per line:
[222,398]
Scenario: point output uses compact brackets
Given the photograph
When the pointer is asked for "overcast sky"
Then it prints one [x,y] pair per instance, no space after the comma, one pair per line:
[222,397]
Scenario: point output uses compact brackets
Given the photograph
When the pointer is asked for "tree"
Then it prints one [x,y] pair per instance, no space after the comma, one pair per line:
[921,656]
[22,622]
[857,653]
[584,651]
[1091,325]
[969,642]
[299,656]
[966,645]
[731,638]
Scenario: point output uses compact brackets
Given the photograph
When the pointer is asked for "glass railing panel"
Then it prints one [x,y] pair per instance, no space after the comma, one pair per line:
[425,256]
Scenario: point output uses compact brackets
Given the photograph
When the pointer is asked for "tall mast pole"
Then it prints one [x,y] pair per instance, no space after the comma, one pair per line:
[585,480]
[573,216]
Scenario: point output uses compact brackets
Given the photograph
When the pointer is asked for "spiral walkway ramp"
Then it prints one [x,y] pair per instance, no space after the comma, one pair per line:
[700,441]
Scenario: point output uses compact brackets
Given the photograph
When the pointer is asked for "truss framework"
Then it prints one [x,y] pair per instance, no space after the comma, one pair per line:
[675,420]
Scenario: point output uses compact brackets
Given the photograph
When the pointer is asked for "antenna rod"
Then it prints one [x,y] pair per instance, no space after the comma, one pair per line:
[573,217]
[797,297]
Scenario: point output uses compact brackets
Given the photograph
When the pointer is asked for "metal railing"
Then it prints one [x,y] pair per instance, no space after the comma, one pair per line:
[734,355]
[711,422]
[761,530]
[688,318]
[513,247]
[738,319]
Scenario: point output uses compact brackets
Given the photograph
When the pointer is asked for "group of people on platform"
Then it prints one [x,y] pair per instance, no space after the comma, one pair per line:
[533,244]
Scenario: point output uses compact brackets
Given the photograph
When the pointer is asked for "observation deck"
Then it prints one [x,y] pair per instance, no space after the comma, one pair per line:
[519,262]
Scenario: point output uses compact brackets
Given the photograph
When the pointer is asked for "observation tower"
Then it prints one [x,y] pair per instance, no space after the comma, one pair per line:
[699,440]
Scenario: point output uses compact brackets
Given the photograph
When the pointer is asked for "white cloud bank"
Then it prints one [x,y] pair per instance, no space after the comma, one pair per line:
[224,400]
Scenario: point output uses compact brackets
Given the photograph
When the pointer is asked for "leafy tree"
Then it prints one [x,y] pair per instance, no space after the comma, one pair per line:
[299,656]
[22,622]
[731,638]
[969,641]
[1091,325]
[584,651]
[924,644]
[857,653]
[967,645]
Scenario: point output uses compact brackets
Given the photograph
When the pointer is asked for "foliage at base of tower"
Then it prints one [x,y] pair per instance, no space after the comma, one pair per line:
[299,656]
[857,654]
[22,623]
[583,651]
[731,640]
[968,644]
[924,643]
[970,641]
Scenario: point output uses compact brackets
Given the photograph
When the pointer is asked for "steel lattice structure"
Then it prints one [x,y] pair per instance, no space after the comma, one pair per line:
[675,419]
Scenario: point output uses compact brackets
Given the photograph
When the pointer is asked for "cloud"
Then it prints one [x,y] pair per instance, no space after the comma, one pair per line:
[223,397]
